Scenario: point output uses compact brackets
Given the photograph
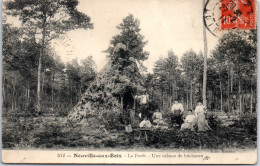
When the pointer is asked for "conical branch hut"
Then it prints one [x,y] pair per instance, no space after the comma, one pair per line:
[112,93]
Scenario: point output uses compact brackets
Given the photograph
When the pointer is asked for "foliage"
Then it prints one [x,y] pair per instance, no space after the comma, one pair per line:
[50,18]
[131,38]
[62,84]
[247,121]
[165,80]
[125,51]
[231,76]
[15,131]
[172,80]
[53,133]
[44,20]
[192,64]
[110,118]
[235,62]
[213,121]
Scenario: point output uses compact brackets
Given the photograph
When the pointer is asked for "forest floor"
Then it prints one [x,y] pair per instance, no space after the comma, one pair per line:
[53,133]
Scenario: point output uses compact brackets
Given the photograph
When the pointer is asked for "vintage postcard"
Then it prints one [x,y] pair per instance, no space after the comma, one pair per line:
[129,81]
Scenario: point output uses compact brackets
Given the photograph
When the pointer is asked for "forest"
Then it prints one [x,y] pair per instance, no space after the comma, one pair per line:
[42,94]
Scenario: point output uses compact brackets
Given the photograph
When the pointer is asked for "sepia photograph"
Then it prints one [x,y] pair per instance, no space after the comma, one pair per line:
[129,81]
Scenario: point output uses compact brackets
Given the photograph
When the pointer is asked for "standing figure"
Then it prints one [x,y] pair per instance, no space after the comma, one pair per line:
[200,112]
[143,102]
[177,110]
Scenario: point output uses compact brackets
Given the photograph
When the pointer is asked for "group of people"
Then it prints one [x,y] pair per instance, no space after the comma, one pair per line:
[190,119]
[185,120]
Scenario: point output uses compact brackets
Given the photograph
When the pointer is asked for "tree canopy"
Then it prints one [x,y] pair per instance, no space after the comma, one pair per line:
[45,20]
[48,18]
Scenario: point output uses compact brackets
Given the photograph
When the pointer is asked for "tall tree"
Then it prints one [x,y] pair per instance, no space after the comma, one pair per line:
[168,75]
[47,19]
[87,73]
[204,91]
[19,63]
[130,37]
[126,51]
[239,54]
[192,67]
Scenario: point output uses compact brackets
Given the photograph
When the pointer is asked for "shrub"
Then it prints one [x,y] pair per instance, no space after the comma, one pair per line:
[213,121]
[16,132]
[49,133]
[110,118]
[247,121]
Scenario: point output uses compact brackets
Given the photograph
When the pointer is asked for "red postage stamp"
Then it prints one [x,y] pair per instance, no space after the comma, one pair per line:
[237,14]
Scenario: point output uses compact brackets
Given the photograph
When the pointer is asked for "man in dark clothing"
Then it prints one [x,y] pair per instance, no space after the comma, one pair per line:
[177,110]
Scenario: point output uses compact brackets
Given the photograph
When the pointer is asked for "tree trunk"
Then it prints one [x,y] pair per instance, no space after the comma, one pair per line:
[59,96]
[231,87]
[13,97]
[191,107]
[204,91]
[43,81]
[80,89]
[39,83]
[170,100]
[135,109]
[76,96]
[15,104]
[3,92]
[221,93]
[175,95]
[228,90]
[187,97]
[240,96]
[251,98]
[52,89]
[70,93]
[27,91]
[24,104]
[40,62]
[152,92]
[162,102]
[28,97]
[172,92]
[231,79]
[122,106]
